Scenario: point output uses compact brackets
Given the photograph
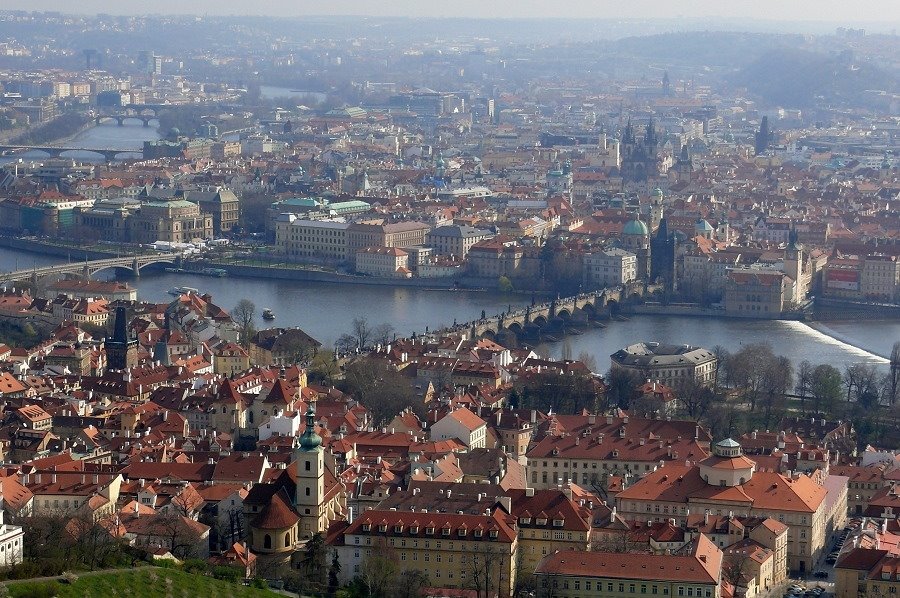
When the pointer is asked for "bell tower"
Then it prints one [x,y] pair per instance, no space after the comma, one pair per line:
[310,461]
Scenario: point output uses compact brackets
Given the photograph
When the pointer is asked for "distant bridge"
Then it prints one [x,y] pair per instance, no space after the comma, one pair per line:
[85,270]
[121,118]
[55,151]
[559,312]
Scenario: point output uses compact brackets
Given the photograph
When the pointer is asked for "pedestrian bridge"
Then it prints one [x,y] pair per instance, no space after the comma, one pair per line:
[132,263]
[558,312]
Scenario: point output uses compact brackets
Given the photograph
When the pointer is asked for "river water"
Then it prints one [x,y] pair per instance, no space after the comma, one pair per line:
[130,136]
[326,310]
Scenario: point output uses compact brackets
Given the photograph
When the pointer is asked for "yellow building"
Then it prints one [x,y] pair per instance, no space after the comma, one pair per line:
[728,482]
[866,572]
[569,574]
[464,551]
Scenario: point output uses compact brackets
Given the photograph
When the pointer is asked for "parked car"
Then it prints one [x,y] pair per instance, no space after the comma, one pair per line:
[821,575]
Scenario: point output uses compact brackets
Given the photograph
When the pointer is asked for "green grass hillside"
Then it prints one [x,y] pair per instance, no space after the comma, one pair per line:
[148,582]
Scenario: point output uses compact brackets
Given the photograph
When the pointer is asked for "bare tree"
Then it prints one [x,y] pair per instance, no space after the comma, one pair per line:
[804,382]
[383,334]
[243,315]
[379,570]
[485,565]
[361,330]
[892,380]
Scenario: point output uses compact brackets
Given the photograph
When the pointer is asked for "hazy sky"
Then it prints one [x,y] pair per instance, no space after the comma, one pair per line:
[883,11]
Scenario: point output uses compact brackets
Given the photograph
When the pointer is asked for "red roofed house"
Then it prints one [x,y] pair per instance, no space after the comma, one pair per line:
[462,424]
[728,482]
[575,573]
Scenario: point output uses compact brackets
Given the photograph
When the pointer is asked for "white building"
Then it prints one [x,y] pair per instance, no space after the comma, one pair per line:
[461,424]
[12,539]
[609,268]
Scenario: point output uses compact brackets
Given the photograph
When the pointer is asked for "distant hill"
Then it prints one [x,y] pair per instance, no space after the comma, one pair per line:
[723,49]
[796,78]
[145,582]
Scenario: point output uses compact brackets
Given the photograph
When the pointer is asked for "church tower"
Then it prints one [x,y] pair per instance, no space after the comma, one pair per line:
[310,495]
[794,265]
[656,208]
[121,347]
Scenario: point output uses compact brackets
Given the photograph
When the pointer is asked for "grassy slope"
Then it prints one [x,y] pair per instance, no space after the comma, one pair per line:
[147,583]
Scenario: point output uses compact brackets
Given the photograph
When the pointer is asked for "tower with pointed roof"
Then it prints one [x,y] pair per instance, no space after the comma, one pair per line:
[121,347]
[310,463]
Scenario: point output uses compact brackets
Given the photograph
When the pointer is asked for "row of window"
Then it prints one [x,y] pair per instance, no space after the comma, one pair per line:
[653,589]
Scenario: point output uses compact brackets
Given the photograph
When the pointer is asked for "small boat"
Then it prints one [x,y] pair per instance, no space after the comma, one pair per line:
[175,270]
[268,314]
[178,291]
[218,272]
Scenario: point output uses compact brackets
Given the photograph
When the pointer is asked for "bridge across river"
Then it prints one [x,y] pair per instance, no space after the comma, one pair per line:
[109,153]
[557,313]
[86,269]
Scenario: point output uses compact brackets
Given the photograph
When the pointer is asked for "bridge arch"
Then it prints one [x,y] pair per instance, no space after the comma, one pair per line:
[540,321]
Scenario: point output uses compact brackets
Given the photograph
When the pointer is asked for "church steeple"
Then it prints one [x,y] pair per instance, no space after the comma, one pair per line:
[309,440]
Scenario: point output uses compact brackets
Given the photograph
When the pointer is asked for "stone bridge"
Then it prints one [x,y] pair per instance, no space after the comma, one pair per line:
[558,313]
[54,151]
[87,269]
[121,118]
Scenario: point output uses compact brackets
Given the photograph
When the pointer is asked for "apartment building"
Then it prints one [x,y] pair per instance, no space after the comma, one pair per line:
[609,268]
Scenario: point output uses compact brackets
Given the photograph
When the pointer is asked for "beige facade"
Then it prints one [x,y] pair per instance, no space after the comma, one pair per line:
[609,268]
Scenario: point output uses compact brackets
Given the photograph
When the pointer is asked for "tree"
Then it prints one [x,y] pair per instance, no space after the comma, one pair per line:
[892,380]
[620,385]
[694,397]
[410,584]
[804,382]
[379,571]
[484,564]
[722,356]
[313,564]
[334,573]
[383,390]
[324,368]
[825,388]
[362,332]
[861,383]
[504,284]
[243,315]
[383,334]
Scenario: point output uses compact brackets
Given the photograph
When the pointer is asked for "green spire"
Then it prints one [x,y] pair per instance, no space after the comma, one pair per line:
[309,440]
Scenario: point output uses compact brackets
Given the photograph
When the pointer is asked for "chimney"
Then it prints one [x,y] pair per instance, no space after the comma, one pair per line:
[706,518]
[137,509]
[533,416]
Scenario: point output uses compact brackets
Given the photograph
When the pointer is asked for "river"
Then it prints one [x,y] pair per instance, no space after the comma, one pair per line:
[326,310]
[130,136]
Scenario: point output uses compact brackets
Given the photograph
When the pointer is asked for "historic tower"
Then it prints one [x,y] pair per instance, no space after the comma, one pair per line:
[310,478]
[121,348]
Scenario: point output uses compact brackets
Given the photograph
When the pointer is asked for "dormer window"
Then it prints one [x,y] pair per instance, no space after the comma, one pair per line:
[541,521]
[414,529]
[429,531]
[559,522]
[524,520]
[478,533]
[382,527]
[366,527]
[445,531]
[493,533]
[398,528]
[462,531]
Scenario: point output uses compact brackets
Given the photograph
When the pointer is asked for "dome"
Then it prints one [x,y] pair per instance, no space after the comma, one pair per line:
[636,227]
[656,192]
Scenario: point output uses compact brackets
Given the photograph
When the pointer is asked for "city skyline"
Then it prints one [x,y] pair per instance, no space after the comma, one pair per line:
[766,10]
